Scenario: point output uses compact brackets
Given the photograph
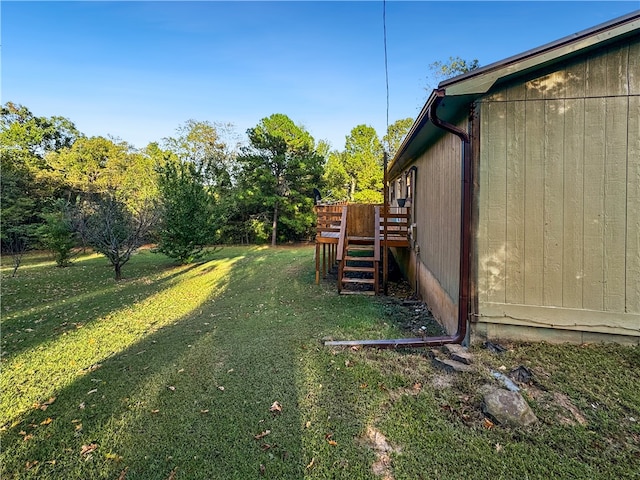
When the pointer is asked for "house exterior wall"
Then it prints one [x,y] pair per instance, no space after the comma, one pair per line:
[432,264]
[558,240]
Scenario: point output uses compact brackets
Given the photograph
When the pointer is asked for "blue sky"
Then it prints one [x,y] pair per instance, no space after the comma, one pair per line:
[138,70]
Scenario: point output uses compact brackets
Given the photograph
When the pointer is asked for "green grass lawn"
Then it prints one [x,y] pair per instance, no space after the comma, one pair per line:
[173,372]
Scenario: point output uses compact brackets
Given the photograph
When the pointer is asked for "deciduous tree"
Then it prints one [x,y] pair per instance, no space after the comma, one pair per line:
[113,229]
[395,134]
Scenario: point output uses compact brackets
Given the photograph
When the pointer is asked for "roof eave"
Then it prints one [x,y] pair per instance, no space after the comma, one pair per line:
[472,85]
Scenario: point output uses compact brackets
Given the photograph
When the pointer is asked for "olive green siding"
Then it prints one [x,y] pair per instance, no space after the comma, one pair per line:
[559,197]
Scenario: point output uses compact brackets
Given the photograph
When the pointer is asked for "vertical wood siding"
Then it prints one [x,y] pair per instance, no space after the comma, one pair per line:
[437,211]
[559,187]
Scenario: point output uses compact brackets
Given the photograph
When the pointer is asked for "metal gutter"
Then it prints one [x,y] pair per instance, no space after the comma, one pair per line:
[468,86]
[482,79]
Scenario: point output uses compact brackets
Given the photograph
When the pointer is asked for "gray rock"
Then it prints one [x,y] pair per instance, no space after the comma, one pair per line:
[451,365]
[508,408]
[458,353]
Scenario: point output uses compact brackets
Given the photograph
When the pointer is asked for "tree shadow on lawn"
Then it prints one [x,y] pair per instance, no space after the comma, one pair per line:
[191,398]
[31,324]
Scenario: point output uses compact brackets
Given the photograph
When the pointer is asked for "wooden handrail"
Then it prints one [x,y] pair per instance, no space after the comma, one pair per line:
[376,235]
[343,234]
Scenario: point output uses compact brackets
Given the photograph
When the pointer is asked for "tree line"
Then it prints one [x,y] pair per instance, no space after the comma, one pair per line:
[206,185]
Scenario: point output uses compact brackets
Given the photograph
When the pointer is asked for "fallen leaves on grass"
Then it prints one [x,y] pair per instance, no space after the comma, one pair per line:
[311,463]
[262,435]
[44,405]
[263,469]
[90,392]
[221,388]
[123,473]
[87,449]
[488,424]
[46,421]
[329,440]
[172,474]
[157,410]
[275,407]
[172,388]
[30,465]
[204,411]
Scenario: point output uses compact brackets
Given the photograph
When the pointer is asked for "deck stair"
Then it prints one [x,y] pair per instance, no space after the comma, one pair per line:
[358,272]
[354,237]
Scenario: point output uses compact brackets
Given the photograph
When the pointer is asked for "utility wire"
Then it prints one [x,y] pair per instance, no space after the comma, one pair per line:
[386,66]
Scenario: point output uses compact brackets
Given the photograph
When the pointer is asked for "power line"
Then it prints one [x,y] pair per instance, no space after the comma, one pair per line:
[386,66]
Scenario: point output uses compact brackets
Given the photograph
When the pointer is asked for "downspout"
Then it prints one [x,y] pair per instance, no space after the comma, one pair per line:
[465,250]
[465,217]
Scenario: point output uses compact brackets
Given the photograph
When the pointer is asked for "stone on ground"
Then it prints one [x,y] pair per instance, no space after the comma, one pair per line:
[508,408]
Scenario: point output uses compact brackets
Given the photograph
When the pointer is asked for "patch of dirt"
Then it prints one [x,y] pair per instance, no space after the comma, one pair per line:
[375,440]
[442,381]
[408,312]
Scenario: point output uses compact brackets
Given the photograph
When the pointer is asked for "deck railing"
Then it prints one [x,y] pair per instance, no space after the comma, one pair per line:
[332,229]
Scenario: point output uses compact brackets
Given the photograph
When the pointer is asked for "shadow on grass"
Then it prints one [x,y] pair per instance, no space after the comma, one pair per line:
[204,424]
[68,300]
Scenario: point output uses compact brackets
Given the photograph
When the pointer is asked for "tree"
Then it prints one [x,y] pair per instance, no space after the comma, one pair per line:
[26,188]
[336,178]
[207,146]
[280,168]
[112,229]
[395,134]
[56,233]
[356,173]
[33,137]
[451,68]
[189,217]
[101,165]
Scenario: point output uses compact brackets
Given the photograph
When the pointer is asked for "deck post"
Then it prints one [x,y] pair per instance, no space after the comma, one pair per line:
[385,218]
[317,263]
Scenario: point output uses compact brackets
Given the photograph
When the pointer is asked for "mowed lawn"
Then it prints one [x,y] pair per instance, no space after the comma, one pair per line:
[217,370]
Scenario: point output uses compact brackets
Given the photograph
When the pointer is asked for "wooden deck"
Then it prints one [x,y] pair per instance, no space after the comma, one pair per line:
[341,228]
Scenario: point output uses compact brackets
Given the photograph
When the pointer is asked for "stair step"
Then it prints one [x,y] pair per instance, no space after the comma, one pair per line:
[358,280]
[360,240]
[359,259]
[362,248]
[357,292]
[348,268]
